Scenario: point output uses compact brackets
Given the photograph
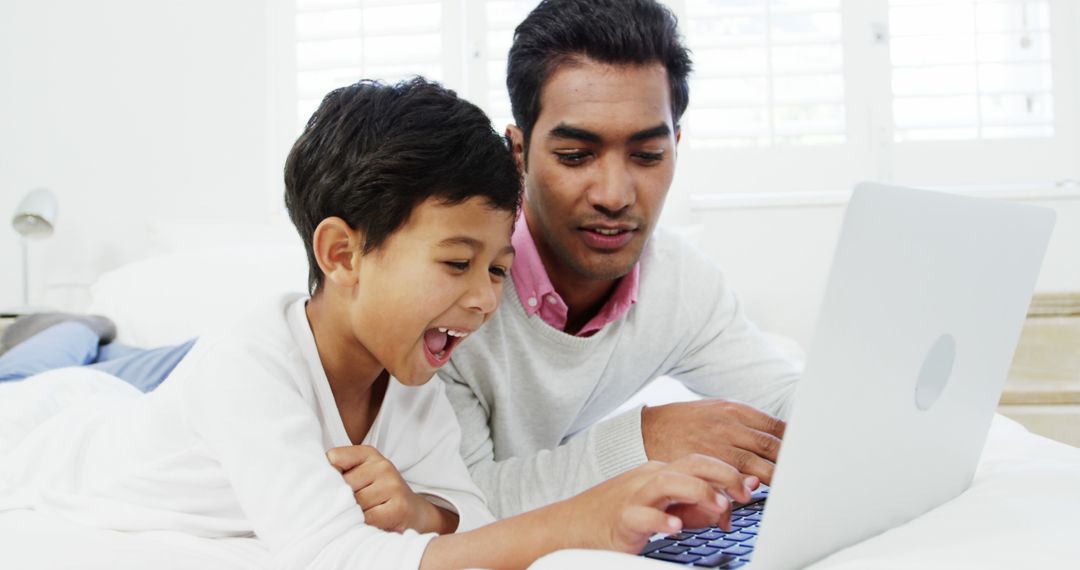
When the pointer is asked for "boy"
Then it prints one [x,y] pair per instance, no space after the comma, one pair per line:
[405,199]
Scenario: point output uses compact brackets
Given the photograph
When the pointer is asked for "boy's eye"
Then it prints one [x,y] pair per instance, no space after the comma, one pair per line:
[458,265]
[499,271]
[572,158]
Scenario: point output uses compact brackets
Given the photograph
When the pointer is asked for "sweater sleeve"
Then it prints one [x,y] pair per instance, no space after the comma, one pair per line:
[245,406]
[726,355]
[518,484]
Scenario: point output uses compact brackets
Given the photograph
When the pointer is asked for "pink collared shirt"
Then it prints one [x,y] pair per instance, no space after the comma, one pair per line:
[538,295]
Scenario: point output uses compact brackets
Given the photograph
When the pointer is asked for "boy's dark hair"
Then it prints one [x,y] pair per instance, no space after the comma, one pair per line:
[372,152]
[608,31]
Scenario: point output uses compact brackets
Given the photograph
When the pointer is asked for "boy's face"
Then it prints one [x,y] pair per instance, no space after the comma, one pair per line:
[600,162]
[435,279]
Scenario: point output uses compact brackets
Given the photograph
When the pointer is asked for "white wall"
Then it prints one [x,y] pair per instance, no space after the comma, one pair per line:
[132,111]
[778,256]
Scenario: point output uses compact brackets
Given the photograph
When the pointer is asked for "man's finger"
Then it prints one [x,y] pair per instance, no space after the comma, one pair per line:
[760,443]
[345,458]
[759,420]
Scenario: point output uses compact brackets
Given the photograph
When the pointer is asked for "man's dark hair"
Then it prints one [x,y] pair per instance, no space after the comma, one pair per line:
[608,31]
[373,152]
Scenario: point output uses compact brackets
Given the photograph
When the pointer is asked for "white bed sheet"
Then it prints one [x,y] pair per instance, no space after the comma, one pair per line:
[34,540]
[1022,511]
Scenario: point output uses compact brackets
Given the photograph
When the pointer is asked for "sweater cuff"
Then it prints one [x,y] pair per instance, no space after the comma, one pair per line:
[619,444]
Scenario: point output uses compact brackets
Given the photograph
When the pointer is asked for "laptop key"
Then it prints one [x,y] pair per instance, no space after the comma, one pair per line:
[749,543]
[675,549]
[694,530]
[737,551]
[693,542]
[722,543]
[704,551]
[656,545]
[749,530]
[739,537]
[679,536]
[711,535]
[742,523]
[743,512]
[680,558]
[716,560]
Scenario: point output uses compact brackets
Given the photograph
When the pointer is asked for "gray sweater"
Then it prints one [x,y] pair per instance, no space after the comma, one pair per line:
[529,397]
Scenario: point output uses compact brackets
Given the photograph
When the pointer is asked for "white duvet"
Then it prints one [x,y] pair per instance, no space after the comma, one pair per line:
[1022,510]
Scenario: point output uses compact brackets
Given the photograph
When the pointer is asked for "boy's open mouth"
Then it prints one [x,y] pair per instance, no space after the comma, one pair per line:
[439,342]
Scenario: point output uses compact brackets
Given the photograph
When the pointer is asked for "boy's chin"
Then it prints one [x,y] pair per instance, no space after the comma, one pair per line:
[414,377]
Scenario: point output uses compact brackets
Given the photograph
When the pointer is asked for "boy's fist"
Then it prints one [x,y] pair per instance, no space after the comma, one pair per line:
[387,500]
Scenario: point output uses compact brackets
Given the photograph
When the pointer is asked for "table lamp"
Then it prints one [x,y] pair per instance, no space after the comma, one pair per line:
[35,217]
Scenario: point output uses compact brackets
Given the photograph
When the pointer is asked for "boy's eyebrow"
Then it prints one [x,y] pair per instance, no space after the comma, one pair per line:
[471,242]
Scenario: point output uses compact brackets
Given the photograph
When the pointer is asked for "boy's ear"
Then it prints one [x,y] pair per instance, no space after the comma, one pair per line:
[517,145]
[337,249]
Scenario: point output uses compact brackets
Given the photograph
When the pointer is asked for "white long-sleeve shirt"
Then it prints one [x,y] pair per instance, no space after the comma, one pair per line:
[234,443]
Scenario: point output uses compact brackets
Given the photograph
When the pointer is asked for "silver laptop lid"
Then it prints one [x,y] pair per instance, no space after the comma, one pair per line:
[921,316]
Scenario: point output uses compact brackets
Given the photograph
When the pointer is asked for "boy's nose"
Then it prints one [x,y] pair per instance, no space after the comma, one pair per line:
[483,296]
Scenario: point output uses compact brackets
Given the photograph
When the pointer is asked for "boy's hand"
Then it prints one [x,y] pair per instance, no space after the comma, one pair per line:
[693,491]
[387,500]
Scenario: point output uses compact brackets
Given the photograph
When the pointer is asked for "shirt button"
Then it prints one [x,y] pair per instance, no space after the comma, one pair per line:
[551,299]
[532,301]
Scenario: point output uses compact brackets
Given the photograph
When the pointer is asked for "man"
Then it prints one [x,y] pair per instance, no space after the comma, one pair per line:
[599,303]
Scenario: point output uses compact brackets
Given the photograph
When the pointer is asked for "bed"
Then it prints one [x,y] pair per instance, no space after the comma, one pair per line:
[1023,509]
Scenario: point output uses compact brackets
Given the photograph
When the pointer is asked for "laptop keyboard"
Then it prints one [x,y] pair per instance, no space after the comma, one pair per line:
[712,547]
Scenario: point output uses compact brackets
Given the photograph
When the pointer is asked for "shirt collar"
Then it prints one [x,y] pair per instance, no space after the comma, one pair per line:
[533,285]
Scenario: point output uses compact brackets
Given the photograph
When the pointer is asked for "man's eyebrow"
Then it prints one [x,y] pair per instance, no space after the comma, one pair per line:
[661,130]
[565,131]
[471,242]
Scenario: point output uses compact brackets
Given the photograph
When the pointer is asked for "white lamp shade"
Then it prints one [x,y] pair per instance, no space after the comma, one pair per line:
[36,214]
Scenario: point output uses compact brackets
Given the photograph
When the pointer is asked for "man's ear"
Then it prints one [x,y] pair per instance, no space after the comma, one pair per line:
[337,248]
[517,145]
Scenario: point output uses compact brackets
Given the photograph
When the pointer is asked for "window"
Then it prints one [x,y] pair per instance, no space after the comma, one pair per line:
[787,95]
[341,41]
[767,72]
[971,69]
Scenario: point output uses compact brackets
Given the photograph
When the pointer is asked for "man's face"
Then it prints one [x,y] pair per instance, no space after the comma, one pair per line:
[601,158]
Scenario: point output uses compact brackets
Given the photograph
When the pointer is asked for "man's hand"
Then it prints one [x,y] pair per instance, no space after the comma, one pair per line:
[736,433]
[387,500]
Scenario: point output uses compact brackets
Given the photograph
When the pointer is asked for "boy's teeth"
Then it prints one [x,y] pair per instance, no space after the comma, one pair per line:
[442,329]
[606,232]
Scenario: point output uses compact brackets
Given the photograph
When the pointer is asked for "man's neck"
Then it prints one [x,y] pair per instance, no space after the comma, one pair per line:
[583,297]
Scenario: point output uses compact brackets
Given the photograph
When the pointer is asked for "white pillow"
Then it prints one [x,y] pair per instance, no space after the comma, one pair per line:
[171,298]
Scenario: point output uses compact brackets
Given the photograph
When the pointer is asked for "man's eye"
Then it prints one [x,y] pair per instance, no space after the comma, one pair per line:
[649,157]
[572,158]
[499,271]
[458,265]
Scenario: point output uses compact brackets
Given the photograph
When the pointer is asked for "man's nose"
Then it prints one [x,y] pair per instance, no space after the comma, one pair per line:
[613,190]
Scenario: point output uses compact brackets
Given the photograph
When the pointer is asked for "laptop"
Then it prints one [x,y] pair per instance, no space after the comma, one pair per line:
[921,316]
